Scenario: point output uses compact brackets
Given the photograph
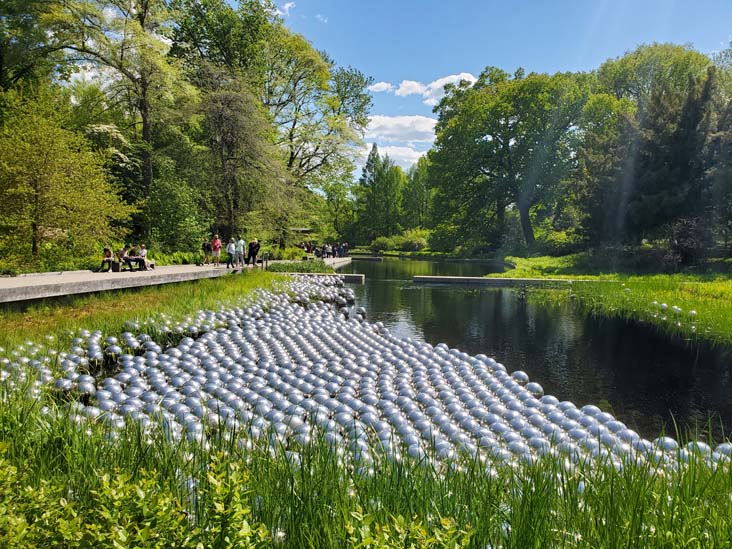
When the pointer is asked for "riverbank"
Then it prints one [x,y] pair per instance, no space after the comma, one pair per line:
[138,486]
[51,321]
[695,306]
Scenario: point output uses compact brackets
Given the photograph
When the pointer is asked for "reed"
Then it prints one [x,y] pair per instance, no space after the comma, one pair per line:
[242,489]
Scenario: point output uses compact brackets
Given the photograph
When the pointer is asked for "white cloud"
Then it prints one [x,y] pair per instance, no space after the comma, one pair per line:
[436,90]
[431,93]
[321,18]
[410,87]
[284,11]
[381,87]
[405,157]
[406,129]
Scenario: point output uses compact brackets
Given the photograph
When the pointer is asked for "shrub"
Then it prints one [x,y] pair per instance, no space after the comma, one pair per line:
[414,240]
[284,254]
[558,243]
[443,238]
[365,532]
[381,244]
[688,240]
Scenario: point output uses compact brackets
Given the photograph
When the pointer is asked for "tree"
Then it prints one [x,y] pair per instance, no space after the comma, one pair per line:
[29,51]
[669,170]
[215,32]
[53,190]
[175,221]
[503,143]
[379,197]
[321,111]
[636,74]
[602,151]
[418,196]
[125,40]
[246,172]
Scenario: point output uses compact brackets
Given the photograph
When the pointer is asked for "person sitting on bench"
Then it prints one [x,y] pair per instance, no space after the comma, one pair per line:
[124,257]
[106,260]
[147,265]
[136,258]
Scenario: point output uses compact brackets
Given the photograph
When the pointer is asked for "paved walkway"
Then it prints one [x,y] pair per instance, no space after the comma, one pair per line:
[42,285]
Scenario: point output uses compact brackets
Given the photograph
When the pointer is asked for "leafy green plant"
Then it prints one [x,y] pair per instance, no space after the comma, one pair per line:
[365,532]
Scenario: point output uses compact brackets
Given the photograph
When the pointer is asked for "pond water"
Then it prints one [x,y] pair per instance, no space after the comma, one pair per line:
[648,381]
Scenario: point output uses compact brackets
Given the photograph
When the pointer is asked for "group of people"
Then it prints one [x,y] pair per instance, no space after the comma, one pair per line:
[235,252]
[131,256]
[326,250]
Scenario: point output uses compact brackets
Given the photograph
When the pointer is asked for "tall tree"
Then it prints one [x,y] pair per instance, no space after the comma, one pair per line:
[125,41]
[506,142]
[379,195]
[418,196]
[321,111]
[30,50]
[246,169]
[53,188]
[669,171]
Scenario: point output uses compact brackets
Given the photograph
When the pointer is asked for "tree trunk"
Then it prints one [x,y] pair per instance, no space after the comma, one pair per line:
[146,152]
[526,227]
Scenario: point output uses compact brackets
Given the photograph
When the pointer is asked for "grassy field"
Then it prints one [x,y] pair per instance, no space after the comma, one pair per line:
[109,311]
[692,305]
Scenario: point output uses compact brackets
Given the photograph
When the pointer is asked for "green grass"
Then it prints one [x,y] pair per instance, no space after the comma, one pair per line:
[69,484]
[66,483]
[109,311]
[308,266]
[704,297]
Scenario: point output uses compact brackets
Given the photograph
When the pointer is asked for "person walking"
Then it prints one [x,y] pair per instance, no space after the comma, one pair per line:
[206,249]
[241,245]
[230,253]
[253,252]
[216,250]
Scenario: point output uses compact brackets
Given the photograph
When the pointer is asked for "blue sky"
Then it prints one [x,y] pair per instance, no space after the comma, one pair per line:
[411,48]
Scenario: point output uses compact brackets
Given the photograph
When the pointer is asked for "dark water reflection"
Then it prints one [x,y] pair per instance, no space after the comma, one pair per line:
[647,380]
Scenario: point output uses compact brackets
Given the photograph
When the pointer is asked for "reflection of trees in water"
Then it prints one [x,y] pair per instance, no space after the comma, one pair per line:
[642,376]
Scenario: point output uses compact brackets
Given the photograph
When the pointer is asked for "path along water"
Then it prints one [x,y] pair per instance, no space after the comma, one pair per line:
[650,382]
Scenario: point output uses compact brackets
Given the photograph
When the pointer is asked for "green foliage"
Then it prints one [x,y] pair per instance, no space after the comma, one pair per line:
[309,266]
[286,253]
[444,238]
[412,240]
[54,194]
[173,214]
[379,197]
[365,532]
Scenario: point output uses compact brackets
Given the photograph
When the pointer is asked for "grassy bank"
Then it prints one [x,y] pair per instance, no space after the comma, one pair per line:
[67,483]
[108,311]
[695,305]
[309,266]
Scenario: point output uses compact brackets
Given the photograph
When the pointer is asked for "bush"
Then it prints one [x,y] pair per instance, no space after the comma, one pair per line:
[688,241]
[414,240]
[443,238]
[381,244]
[558,243]
[285,254]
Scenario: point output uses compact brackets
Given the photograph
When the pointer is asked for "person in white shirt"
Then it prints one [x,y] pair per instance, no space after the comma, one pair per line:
[241,245]
[231,253]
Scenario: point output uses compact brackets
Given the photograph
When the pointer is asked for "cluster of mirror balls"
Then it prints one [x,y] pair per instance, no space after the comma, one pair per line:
[300,364]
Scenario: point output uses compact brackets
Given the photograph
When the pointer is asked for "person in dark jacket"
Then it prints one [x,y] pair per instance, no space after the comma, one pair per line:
[253,252]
